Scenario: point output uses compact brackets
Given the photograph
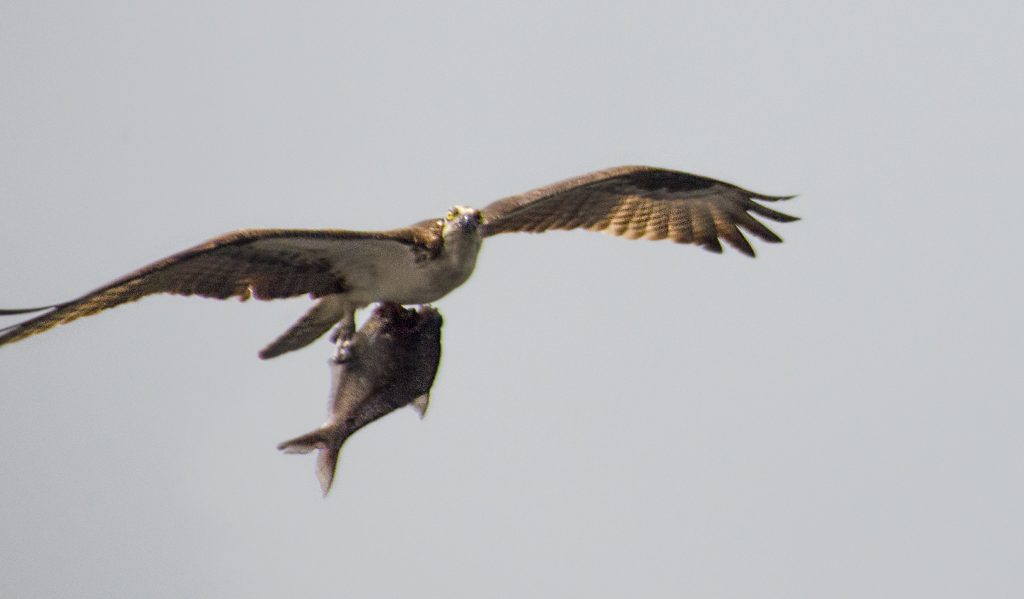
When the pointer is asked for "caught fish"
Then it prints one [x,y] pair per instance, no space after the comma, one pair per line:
[389,363]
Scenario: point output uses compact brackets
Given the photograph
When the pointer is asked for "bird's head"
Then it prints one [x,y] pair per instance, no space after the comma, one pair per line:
[461,219]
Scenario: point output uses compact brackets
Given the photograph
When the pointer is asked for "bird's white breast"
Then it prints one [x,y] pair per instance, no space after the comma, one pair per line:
[380,270]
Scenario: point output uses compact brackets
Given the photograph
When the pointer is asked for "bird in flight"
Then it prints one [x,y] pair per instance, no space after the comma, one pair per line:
[347,270]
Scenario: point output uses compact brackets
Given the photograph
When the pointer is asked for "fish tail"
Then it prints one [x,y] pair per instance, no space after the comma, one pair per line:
[316,439]
[329,446]
[326,464]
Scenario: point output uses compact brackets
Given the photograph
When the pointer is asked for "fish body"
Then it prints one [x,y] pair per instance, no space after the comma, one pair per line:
[389,363]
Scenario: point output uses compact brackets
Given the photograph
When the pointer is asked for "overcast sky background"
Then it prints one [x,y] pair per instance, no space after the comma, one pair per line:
[840,417]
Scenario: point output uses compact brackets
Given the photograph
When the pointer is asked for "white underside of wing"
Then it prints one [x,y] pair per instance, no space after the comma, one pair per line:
[372,270]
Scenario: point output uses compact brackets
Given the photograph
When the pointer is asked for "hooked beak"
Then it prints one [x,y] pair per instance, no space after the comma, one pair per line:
[471,219]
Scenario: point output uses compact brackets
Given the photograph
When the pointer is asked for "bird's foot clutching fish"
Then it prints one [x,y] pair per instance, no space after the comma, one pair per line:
[341,337]
[342,351]
[391,362]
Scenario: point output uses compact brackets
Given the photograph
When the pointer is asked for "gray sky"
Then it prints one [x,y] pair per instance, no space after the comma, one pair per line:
[838,418]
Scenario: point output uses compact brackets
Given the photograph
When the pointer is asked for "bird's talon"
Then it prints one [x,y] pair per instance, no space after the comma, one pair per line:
[343,352]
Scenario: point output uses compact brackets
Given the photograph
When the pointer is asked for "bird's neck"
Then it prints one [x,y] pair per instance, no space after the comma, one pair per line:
[460,251]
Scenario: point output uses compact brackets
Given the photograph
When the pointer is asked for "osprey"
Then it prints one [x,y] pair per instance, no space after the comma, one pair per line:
[347,270]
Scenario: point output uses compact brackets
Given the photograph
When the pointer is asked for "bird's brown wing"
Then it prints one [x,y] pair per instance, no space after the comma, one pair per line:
[266,264]
[641,202]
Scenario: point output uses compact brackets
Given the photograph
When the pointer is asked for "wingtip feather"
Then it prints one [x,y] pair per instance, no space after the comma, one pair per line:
[767,198]
[18,311]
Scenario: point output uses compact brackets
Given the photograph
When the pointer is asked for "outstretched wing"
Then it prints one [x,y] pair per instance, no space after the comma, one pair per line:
[266,264]
[641,202]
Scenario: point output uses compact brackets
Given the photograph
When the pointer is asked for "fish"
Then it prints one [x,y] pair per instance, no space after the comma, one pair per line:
[389,363]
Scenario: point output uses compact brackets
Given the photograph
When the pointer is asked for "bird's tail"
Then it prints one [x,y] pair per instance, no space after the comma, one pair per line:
[318,320]
[328,443]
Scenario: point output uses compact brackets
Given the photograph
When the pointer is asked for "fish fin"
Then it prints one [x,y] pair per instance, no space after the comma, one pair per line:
[326,464]
[316,439]
[421,403]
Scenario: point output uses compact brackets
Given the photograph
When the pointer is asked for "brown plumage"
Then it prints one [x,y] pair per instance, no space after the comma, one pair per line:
[345,270]
[641,202]
[265,264]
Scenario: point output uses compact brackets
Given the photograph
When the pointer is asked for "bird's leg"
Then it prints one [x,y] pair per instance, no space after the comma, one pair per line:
[342,337]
